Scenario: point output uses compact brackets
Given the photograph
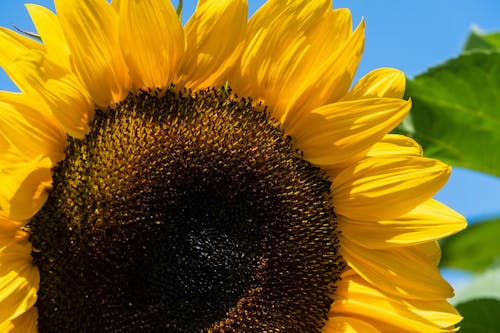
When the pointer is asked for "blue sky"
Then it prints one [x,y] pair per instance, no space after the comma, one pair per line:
[409,35]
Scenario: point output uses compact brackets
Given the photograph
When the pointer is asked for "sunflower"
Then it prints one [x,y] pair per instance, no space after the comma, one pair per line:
[222,176]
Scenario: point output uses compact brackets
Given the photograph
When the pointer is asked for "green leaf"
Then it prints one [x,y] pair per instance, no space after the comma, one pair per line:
[473,249]
[484,285]
[481,41]
[480,315]
[456,111]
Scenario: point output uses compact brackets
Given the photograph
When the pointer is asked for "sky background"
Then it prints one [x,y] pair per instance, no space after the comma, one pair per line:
[409,35]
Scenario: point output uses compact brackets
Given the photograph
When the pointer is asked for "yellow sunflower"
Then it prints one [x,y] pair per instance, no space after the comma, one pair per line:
[223,176]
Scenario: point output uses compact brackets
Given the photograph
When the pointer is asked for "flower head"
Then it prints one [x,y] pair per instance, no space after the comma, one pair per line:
[217,176]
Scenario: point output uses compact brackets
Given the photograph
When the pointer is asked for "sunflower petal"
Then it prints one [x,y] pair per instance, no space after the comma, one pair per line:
[35,73]
[346,324]
[358,298]
[429,221]
[430,249]
[331,80]
[91,31]
[337,134]
[395,145]
[279,34]
[206,58]
[331,32]
[24,188]
[25,323]
[14,46]
[152,41]
[382,82]
[116,5]
[398,271]
[376,189]
[50,30]
[10,231]
[19,279]
[58,88]
[25,133]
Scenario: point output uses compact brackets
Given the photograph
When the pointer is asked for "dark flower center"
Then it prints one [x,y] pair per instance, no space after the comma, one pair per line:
[185,212]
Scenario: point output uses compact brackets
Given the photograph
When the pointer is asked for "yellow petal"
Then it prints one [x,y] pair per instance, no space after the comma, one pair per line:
[331,33]
[50,30]
[337,134]
[376,189]
[152,41]
[330,81]
[19,280]
[91,30]
[14,46]
[395,145]
[403,271]
[10,232]
[429,221]
[58,88]
[207,56]
[26,133]
[358,298]
[24,188]
[116,5]
[430,249]
[12,238]
[60,91]
[346,324]
[382,82]
[278,44]
[25,323]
